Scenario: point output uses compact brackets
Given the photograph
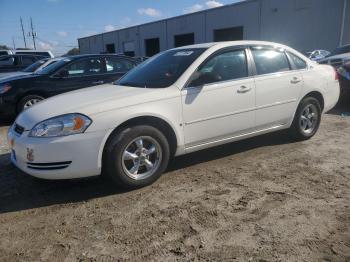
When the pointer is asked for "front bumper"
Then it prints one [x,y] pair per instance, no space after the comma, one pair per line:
[68,157]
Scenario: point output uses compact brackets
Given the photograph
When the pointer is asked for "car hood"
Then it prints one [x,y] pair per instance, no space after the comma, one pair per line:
[24,76]
[341,56]
[12,74]
[91,101]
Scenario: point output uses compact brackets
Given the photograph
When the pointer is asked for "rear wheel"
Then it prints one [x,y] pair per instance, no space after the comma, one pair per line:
[136,157]
[307,119]
[28,101]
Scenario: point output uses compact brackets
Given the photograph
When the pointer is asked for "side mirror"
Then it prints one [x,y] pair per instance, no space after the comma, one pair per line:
[63,74]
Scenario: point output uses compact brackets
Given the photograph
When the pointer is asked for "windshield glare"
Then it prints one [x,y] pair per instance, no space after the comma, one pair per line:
[161,70]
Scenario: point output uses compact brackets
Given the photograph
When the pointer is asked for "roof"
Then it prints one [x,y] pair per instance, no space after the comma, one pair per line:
[233,43]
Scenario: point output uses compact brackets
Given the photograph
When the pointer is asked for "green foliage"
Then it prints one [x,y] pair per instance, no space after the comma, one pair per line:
[4,47]
[73,51]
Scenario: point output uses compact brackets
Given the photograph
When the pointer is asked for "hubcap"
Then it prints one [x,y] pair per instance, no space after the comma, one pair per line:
[141,157]
[31,102]
[308,119]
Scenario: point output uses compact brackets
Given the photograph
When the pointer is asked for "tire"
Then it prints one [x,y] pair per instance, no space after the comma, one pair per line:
[124,153]
[307,119]
[28,101]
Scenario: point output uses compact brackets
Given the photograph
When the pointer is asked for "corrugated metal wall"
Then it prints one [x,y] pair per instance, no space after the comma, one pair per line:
[302,24]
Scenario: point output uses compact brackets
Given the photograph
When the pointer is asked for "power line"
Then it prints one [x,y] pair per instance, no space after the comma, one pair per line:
[24,37]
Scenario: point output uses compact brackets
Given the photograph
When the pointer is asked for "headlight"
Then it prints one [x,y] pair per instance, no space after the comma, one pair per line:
[4,88]
[64,125]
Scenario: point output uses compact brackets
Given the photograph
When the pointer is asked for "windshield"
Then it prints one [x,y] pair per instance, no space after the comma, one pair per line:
[53,67]
[161,70]
[340,50]
[34,66]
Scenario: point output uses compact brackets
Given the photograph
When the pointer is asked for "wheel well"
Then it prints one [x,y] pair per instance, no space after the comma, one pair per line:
[30,93]
[318,96]
[155,122]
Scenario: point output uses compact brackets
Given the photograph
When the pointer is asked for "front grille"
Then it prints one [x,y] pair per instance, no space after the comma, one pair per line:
[49,166]
[19,129]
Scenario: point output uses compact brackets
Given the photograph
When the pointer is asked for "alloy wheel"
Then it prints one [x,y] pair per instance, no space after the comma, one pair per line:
[141,157]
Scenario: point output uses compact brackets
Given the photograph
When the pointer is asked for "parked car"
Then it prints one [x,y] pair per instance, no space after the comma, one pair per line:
[344,77]
[179,101]
[35,52]
[318,55]
[13,63]
[338,57]
[37,66]
[6,52]
[71,73]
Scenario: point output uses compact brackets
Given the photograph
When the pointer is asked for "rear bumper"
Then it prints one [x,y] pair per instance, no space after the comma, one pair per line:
[344,83]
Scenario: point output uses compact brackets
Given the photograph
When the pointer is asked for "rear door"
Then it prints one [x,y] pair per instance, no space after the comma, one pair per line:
[78,74]
[278,87]
[116,67]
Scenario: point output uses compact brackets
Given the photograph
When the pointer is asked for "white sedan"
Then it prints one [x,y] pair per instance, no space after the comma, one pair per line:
[179,101]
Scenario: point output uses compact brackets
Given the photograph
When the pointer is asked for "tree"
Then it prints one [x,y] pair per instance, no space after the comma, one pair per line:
[5,47]
[73,51]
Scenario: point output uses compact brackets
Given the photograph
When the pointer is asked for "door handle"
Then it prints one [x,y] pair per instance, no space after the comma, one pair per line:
[243,89]
[98,82]
[295,80]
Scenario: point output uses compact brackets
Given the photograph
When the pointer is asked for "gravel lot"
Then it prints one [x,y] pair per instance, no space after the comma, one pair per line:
[262,199]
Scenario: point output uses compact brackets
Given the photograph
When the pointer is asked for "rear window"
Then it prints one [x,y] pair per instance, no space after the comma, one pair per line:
[297,61]
[268,61]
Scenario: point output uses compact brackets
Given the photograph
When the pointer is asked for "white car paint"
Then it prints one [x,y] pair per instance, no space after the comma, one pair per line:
[200,117]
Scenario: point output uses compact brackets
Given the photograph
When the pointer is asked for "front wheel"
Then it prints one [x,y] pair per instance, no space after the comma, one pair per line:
[136,156]
[28,101]
[307,119]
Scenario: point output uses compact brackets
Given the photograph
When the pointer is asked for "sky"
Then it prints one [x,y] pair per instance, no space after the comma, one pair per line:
[59,23]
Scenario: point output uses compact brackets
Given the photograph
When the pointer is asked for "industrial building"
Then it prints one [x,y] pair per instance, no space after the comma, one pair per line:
[302,24]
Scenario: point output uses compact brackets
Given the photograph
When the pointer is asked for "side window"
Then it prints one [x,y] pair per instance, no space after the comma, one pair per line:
[117,65]
[27,60]
[268,61]
[222,67]
[297,61]
[7,61]
[84,67]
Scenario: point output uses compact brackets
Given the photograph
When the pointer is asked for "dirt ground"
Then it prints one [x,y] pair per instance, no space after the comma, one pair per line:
[262,199]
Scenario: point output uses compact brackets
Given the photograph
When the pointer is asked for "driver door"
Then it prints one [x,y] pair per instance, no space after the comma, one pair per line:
[218,104]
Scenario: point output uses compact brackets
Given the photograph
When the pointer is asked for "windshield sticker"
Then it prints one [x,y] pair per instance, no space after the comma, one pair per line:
[184,53]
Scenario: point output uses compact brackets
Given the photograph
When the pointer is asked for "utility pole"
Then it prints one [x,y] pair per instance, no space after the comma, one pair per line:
[24,37]
[13,42]
[33,34]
